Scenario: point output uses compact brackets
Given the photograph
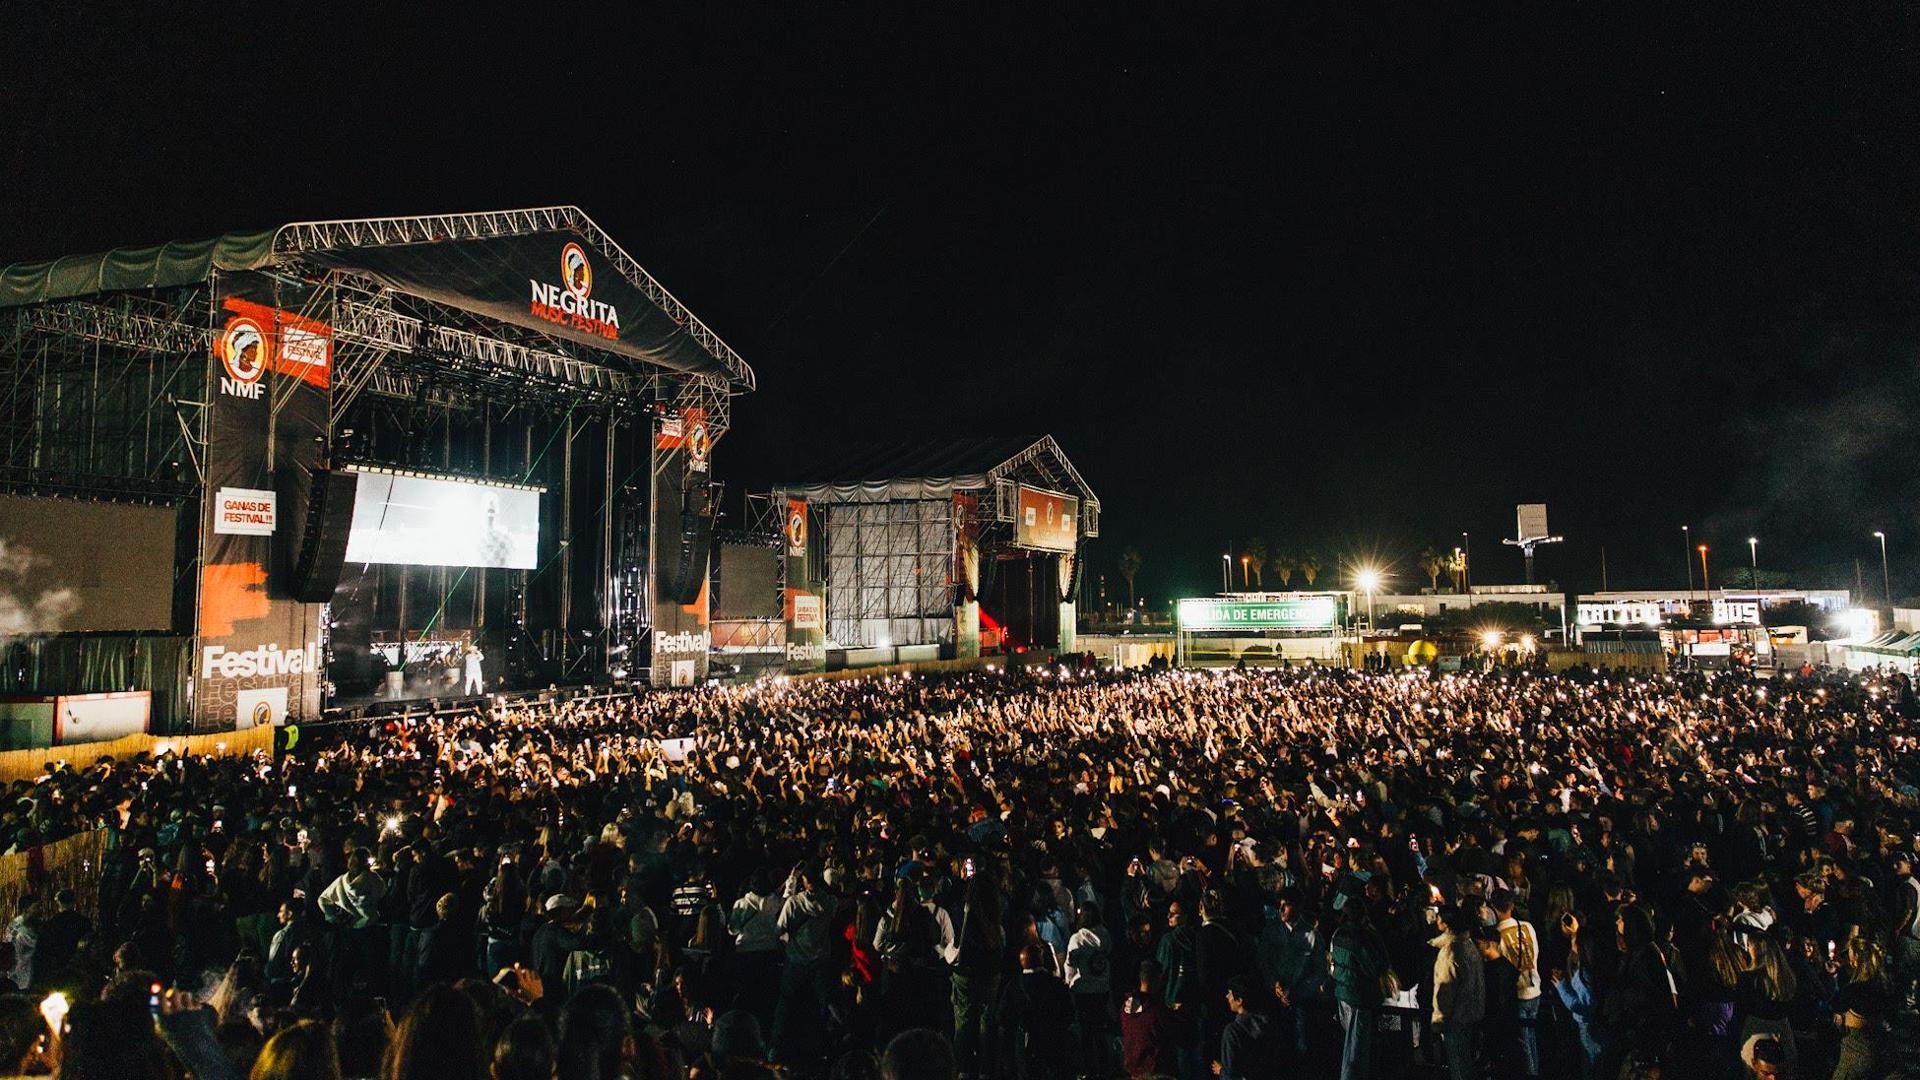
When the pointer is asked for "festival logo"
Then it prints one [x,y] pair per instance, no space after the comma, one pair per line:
[575,271]
[569,303]
[699,444]
[242,350]
[796,528]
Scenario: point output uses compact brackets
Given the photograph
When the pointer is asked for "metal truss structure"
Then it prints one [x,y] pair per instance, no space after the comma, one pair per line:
[1042,465]
[711,394]
[107,392]
[106,396]
[890,546]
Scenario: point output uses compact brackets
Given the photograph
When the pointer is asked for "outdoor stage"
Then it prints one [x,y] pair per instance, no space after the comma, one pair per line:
[256,475]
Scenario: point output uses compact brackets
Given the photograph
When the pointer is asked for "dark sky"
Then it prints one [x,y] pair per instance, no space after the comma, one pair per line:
[1340,279]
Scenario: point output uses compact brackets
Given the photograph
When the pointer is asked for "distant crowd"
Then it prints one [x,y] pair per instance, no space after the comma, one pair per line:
[1026,876]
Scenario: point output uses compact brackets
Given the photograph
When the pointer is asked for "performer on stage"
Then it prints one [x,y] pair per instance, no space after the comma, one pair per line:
[475,683]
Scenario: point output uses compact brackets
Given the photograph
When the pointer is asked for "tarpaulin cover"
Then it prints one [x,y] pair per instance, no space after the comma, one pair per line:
[552,281]
[163,266]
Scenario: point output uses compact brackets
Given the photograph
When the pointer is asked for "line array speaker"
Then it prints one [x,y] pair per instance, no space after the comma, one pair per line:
[323,540]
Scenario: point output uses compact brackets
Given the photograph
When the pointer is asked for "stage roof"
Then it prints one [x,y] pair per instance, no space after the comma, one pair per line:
[527,267]
[936,469]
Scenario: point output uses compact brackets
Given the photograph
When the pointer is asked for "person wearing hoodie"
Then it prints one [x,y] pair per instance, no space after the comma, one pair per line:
[351,907]
[1089,964]
[1459,990]
[754,923]
[1251,1043]
[806,918]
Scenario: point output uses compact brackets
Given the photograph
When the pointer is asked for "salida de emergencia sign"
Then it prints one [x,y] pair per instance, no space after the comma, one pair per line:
[1300,613]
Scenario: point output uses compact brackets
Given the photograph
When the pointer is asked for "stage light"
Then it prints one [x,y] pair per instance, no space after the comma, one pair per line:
[1490,638]
[1368,579]
[1526,642]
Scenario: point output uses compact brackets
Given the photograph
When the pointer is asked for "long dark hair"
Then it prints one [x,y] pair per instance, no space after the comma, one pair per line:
[595,1034]
[438,1039]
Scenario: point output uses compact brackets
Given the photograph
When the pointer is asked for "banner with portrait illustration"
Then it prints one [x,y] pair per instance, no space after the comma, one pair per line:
[260,654]
[806,614]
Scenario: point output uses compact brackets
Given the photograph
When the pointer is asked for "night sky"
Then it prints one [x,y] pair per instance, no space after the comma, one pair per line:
[1343,280]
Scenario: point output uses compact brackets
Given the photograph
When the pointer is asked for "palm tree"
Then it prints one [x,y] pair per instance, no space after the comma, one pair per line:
[1257,551]
[1433,562]
[1456,568]
[1309,566]
[1283,564]
[1129,566]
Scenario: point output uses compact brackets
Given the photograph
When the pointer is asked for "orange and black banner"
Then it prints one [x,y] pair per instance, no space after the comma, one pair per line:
[680,543]
[260,658]
[806,613]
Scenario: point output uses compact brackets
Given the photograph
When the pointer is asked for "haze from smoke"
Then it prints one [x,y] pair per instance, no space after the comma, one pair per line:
[25,613]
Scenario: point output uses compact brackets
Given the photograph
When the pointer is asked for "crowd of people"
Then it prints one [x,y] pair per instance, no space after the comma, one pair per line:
[1042,874]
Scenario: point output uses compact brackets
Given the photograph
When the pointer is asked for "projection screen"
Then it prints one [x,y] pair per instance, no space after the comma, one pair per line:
[72,566]
[420,521]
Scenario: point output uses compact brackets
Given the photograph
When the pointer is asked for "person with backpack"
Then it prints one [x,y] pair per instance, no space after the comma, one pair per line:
[1520,946]
[1357,959]
[1031,1019]
[1088,964]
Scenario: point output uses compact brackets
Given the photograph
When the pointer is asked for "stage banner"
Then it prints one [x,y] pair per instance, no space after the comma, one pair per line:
[806,607]
[679,552]
[555,282]
[267,424]
[1046,520]
[966,577]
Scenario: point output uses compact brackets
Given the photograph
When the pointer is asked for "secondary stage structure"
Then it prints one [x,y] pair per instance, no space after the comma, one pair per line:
[920,544]
[533,413]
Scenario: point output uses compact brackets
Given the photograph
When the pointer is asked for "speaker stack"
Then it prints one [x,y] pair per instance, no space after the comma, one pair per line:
[696,540]
[323,539]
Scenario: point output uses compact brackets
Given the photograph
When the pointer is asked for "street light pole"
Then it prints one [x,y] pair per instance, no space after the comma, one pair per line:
[1466,563]
[1226,561]
[1687,532]
[1705,581]
[1886,579]
[1246,582]
[1753,552]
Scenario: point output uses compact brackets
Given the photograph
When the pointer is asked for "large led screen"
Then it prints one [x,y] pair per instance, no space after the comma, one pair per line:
[70,566]
[425,522]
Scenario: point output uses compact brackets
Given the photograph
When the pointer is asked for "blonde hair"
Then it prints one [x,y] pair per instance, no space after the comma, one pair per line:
[1768,961]
[1724,959]
[304,1051]
[1866,961]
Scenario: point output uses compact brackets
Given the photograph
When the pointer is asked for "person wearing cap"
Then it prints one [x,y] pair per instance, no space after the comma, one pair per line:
[554,940]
